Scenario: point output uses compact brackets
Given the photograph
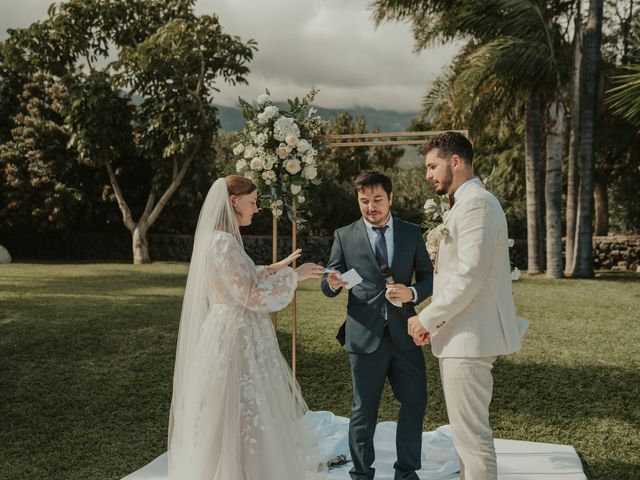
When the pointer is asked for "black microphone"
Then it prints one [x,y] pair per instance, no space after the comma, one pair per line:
[386,274]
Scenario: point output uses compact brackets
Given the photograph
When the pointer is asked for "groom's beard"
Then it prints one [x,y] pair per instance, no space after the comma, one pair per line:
[443,186]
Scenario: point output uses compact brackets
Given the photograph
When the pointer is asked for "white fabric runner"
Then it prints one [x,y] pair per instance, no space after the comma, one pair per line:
[517,460]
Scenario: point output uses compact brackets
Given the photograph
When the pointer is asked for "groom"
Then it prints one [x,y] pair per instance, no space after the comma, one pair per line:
[386,252]
[472,315]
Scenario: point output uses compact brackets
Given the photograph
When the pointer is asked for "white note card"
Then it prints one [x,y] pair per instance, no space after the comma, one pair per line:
[352,278]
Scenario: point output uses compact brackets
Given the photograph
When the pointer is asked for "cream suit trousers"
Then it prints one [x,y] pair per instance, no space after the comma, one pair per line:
[468,385]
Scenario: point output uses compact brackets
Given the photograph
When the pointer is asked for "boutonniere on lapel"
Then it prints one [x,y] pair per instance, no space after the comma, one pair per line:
[435,216]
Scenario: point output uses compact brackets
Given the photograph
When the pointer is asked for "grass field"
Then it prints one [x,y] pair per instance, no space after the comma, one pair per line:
[87,351]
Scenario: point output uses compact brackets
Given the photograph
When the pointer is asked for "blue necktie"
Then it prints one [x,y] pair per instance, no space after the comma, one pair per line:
[381,246]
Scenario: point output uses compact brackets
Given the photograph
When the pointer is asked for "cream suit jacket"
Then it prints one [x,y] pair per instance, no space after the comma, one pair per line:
[472,311]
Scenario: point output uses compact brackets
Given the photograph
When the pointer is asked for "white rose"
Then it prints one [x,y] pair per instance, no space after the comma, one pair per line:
[257,163]
[271,111]
[268,176]
[291,140]
[282,151]
[293,166]
[303,146]
[238,149]
[270,162]
[441,231]
[300,198]
[284,126]
[249,152]
[309,158]
[263,99]
[309,172]
[430,206]
[263,119]
[261,139]
[241,165]
[432,244]
[295,189]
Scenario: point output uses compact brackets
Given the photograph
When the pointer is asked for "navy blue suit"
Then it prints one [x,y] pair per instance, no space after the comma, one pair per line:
[378,351]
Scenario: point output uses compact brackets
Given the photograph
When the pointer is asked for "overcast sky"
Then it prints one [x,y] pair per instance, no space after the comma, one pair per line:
[330,44]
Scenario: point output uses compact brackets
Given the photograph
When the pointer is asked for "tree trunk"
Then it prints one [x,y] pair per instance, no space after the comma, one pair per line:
[574,147]
[533,141]
[553,195]
[589,108]
[540,195]
[602,205]
[140,246]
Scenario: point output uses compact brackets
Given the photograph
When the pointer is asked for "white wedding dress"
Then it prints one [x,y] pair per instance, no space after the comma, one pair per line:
[236,413]
[240,419]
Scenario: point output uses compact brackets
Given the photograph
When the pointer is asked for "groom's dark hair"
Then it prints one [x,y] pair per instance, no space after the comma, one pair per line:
[373,178]
[451,143]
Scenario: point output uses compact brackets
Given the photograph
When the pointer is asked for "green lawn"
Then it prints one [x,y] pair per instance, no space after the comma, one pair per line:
[87,357]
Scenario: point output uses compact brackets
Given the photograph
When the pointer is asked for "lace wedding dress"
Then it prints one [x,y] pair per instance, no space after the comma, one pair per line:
[234,415]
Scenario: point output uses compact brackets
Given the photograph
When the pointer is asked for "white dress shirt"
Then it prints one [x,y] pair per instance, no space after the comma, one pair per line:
[457,195]
[388,236]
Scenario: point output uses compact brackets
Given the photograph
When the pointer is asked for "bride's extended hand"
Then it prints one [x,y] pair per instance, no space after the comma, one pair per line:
[276,267]
[309,270]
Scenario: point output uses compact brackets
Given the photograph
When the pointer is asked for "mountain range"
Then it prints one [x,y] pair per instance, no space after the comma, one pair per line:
[384,120]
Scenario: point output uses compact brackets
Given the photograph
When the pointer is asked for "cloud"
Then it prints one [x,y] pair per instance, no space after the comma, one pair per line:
[330,44]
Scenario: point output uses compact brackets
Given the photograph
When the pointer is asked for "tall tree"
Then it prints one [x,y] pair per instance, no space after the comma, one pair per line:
[553,190]
[166,56]
[11,85]
[574,144]
[43,188]
[590,83]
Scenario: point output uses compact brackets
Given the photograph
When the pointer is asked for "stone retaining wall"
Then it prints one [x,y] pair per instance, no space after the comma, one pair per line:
[617,253]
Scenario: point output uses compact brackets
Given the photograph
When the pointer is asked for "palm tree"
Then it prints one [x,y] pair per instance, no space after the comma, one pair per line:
[574,144]
[590,82]
[625,96]
[555,154]
[510,62]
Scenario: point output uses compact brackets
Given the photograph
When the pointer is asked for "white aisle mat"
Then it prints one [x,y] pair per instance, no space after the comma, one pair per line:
[517,460]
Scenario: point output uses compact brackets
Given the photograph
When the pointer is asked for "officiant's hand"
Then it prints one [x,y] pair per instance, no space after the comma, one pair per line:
[335,281]
[309,270]
[276,267]
[399,293]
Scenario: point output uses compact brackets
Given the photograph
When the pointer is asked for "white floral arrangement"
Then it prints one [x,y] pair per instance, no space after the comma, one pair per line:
[278,149]
[435,214]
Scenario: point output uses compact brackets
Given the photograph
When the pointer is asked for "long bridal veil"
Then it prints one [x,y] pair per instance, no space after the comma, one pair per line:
[216,215]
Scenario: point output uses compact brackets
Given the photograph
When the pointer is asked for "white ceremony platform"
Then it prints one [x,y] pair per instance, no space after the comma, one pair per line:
[517,460]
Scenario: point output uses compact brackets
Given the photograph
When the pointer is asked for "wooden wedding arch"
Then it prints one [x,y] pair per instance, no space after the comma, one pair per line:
[344,141]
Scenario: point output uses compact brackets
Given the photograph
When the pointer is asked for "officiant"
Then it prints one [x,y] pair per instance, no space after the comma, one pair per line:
[387,253]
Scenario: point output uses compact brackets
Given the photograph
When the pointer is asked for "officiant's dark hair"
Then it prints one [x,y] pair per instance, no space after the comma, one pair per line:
[451,143]
[373,178]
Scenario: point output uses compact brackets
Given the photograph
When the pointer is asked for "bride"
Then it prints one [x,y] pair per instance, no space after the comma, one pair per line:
[233,413]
